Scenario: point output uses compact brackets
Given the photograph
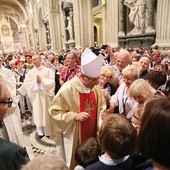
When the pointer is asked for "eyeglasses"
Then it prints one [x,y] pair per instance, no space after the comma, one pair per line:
[108,77]
[128,79]
[9,102]
[92,79]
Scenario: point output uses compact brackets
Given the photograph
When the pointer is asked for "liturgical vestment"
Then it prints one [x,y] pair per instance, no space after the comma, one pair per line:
[64,129]
[41,94]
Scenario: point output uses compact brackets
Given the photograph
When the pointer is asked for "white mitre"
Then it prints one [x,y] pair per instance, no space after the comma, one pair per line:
[91,63]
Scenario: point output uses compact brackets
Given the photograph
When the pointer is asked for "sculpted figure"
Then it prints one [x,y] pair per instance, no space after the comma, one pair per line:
[137,15]
[69,28]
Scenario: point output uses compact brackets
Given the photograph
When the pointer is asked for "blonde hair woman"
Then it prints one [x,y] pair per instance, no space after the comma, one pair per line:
[140,90]
[121,102]
[107,76]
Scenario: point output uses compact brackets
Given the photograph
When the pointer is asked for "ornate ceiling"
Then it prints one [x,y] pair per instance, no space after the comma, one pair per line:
[15,10]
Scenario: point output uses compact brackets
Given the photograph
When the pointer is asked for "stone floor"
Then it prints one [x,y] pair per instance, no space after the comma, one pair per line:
[34,145]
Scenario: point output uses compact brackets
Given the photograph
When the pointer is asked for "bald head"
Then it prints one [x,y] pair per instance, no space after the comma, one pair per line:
[4,96]
[36,60]
[144,63]
[3,87]
[122,59]
[1,61]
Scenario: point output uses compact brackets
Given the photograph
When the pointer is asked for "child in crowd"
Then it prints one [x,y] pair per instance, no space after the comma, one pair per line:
[87,153]
[117,138]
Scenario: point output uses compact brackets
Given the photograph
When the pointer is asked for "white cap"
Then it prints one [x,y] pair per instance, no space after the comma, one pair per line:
[91,63]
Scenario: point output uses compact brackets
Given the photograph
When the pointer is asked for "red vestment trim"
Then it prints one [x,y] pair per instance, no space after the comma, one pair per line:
[88,104]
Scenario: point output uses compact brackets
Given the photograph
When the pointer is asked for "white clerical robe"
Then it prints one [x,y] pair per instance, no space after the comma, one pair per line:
[40,94]
[12,119]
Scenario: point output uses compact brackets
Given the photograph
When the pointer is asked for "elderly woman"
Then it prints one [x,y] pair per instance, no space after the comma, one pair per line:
[106,75]
[121,99]
[140,90]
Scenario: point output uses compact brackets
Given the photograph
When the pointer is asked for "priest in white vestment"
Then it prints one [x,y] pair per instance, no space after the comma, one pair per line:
[40,84]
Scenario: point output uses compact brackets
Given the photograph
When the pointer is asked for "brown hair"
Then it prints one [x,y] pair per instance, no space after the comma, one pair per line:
[117,136]
[87,152]
[154,135]
[157,78]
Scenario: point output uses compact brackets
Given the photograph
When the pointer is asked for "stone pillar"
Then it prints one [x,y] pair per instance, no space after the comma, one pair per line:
[42,34]
[54,36]
[121,18]
[77,19]
[89,33]
[163,24]
[32,30]
[112,22]
[83,23]
[103,25]
[25,33]
[27,37]
[24,38]
[150,28]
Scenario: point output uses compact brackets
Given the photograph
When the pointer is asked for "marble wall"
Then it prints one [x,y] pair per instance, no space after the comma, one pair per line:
[76,23]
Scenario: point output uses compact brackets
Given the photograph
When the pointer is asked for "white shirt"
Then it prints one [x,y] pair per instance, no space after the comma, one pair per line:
[122,99]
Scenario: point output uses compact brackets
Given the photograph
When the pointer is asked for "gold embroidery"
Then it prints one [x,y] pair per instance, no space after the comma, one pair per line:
[89,105]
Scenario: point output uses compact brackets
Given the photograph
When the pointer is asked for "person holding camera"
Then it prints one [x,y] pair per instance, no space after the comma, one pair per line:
[20,73]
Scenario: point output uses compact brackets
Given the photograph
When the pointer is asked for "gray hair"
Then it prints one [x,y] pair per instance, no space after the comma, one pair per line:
[132,71]
[2,86]
[46,161]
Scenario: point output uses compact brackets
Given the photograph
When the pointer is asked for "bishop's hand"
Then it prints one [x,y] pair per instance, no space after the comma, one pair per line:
[82,116]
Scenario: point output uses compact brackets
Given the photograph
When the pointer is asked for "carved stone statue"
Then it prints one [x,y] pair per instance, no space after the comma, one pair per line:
[69,28]
[137,15]
[66,4]
[5,30]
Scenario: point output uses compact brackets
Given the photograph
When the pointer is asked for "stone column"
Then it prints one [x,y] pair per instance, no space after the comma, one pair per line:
[77,20]
[53,29]
[41,33]
[121,18]
[104,34]
[150,16]
[83,26]
[163,24]
[25,30]
[112,22]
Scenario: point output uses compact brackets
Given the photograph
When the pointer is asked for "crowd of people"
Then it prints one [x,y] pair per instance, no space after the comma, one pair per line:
[104,108]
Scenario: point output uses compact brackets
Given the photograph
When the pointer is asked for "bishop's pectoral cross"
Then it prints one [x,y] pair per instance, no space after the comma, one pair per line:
[88,106]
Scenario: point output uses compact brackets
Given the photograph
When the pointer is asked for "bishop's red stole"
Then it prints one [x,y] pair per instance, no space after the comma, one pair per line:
[89,126]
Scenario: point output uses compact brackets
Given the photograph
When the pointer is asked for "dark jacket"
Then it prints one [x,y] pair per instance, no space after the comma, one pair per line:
[12,156]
